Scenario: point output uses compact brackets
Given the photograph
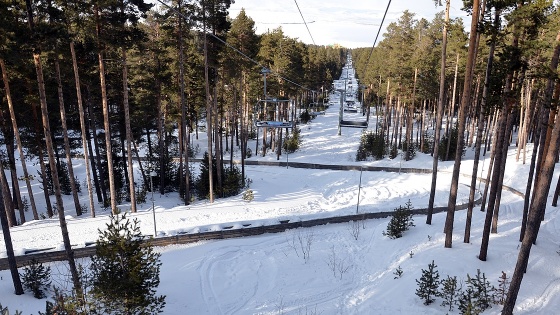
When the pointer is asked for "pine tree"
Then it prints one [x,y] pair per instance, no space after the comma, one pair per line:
[400,222]
[36,278]
[483,291]
[428,284]
[125,271]
[449,291]
[478,296]
[503,287]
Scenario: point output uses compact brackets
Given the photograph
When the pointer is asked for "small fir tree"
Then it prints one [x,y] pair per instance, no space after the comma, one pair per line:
[478,296]
[484,292]
[371,144]
[466,305]
[450,290]
[125,271]
[400,222]
[428,284]
[233,183]
[503,287]
[292,142]
[36,278]
[203,181]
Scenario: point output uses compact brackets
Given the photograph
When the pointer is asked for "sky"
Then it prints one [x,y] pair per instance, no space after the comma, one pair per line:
[350,268]
[351,24]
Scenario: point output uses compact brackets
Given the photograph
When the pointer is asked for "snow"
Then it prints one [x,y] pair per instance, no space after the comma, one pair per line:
[332,269]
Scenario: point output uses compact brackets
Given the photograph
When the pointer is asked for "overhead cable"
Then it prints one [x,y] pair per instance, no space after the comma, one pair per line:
[376,36]
[297,5]
[238,51]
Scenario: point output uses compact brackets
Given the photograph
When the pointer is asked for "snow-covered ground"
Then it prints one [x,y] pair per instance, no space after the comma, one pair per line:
[349,269]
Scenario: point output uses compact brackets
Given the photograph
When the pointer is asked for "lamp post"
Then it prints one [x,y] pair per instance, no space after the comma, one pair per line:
[152,174]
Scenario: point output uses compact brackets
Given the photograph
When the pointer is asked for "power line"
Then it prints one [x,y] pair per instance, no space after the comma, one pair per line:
[297,5]
[238,51]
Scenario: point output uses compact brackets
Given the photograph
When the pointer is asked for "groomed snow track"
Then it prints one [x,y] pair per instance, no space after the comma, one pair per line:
[49,255]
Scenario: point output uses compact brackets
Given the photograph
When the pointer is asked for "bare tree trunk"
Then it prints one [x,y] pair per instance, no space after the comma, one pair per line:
[161,141]
[218,144]
[184,135]
[96,165]
[208,115]
[466,96]
[77,205]
[474,114]
[540,194]
[9,140]
[244,123]
[83,130]
[504,148]
[52,164]
[131,188]
[409,121]
[7,200]
[478,142]
[439,111]
[41,158]
[541,118]
[8,240]
[18,139]
[451,111]
[106,124]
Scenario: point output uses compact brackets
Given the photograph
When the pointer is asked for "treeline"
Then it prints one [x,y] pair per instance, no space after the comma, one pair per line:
[488,89]
[123,76]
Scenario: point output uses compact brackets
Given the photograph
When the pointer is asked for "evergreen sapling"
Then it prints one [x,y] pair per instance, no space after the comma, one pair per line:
[400,222]
[428,284]
[450,289]
[36,278]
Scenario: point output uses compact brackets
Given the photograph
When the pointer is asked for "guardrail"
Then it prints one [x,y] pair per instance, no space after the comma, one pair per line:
[49,255]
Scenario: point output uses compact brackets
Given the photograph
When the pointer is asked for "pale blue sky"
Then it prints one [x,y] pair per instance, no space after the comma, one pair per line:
[351,23]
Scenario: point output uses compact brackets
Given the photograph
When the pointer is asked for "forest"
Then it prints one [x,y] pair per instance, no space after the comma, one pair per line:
[102,79]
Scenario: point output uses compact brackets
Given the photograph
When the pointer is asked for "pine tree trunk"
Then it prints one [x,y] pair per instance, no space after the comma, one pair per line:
[439,112]
[41,158]
[83,130]
[452,111]
[540,194]
[161,139]
[106,123]
[501,145]
[72,179]
[184,136]
[208,115]
[54,174]
[96,165]
[244,123]
[8,203]
[18,203]
[8,240]
[131,187]
[218,144]
[493,184]
[466,96]
[474,114]
[107,129]
[478,142]
[504,148]
[532,168]
[18,139]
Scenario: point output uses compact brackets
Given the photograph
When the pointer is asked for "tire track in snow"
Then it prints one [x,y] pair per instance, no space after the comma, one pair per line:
[224,266]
